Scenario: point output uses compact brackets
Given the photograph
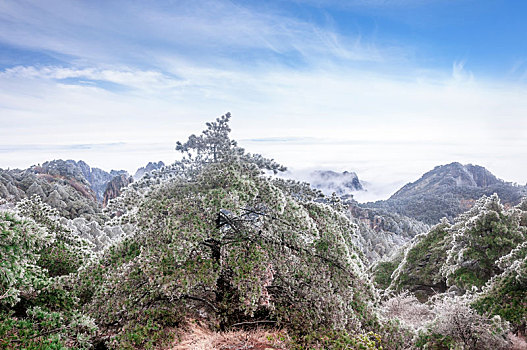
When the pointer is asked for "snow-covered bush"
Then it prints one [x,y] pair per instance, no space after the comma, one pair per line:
[21,241]
[480,237]
[458,325]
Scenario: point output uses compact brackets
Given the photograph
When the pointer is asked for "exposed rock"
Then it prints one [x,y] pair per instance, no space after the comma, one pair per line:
[97,178]
[113,189]
[148,168]
[36,189]
[330,182]
[58,183]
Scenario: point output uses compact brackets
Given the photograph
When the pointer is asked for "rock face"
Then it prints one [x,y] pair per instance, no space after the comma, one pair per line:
[97,178]
[447,191]
[69,194]
[148,168]
[73,188]
[113,189]
[340,183]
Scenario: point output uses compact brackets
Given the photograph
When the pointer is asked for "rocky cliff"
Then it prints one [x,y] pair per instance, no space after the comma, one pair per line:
[343,184]
[113,189]
[73,188]
[97,178]
[148,168]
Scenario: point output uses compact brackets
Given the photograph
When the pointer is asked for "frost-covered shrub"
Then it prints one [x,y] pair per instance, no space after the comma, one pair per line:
[44,329]
[406,308]
[480,237]
[457,325]
[21,241]
[506,294]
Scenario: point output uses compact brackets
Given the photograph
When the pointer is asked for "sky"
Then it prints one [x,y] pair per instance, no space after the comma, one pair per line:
[385,88]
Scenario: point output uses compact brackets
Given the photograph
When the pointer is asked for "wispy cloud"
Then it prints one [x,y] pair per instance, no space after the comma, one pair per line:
[139,34]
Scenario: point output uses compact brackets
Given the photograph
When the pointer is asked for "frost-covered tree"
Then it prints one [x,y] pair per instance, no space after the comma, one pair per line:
[506,294]
[459,256]
[420,264]
[21,241]
[480,237]
[222,240]
[36,309]
[237,247]
[214,145]
[69,251]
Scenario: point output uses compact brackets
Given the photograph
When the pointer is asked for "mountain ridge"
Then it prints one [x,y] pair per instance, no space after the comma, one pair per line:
[447,191]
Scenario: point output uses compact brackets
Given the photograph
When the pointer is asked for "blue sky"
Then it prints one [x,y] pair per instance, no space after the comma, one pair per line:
[386,88]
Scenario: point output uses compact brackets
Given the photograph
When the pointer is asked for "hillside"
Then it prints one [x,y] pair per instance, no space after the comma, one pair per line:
[447,191]
[381,231]
[480,257]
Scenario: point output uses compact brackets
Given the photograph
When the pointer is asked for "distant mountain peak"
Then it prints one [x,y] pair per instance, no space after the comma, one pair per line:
[447,191]
[329,181]
[450,175]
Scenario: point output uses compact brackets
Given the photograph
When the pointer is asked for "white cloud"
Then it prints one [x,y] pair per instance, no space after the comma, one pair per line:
[357,121]
[279,76]
[206,31]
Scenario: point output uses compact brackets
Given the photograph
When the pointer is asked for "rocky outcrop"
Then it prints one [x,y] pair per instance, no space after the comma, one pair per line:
[61,187]
[73,188]
[330,182]
[97,178]
[113,189]
[148,168]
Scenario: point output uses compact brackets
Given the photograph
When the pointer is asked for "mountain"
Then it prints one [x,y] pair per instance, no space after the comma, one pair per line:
[329,182]
[97,178]
[113,189]
[447,191]
[73,188]
[58,183]
[449,176]
[148,168]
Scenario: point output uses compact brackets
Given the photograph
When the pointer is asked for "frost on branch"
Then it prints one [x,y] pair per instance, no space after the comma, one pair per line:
[236,246]
[480,237]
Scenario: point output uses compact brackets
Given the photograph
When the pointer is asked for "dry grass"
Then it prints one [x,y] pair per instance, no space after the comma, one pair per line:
[518,342]
[198,337]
